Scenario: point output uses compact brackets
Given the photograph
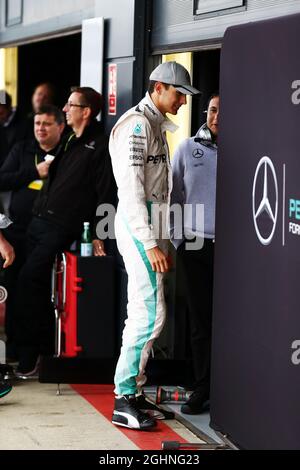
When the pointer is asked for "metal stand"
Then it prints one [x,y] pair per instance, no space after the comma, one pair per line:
[227,441]
[59,267]
[226,444]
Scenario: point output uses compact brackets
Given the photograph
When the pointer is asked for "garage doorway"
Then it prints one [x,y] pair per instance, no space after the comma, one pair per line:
[53,60]
[206,76]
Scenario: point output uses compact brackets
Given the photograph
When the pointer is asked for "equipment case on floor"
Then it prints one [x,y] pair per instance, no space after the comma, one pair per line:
[88,316]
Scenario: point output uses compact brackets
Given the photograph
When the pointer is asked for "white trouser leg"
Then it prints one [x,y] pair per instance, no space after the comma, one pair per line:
[146,312]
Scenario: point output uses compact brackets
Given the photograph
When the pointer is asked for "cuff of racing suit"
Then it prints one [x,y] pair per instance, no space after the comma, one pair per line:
[150,244]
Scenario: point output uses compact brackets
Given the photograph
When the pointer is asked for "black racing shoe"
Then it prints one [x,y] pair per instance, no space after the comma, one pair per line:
[128,414]
[146,406]
[197,403]
[5,387]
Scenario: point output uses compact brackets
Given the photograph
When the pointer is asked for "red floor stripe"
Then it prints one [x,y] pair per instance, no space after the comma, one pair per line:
[101,397]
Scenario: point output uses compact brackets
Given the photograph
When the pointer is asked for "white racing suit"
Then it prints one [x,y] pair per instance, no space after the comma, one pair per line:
[4,221]
[141,165]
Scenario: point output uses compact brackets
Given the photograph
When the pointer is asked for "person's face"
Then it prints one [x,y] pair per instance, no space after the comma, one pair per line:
[4,113]
[213,115]
[169,100]
[46,130]
[75,111]
[41,97]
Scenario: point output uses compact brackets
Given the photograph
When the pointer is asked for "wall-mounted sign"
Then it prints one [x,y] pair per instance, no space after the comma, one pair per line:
[14,12]
[209,6]
[112,89]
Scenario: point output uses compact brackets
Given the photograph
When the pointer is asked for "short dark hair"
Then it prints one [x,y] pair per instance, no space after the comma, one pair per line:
[7,98]
[52,110]
[152,84]
[215,94]
[51,88]
[90,98]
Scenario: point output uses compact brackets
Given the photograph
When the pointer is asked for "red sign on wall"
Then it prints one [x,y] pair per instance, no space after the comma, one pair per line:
[112,89]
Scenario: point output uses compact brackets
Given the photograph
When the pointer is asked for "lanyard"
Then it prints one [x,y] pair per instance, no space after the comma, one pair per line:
[68,141]
[36,184]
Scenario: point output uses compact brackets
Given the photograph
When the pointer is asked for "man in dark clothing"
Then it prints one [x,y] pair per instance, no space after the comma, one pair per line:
[23,173]
[79,180]
[44,94]
[25,167]
[11,126]
[11,132]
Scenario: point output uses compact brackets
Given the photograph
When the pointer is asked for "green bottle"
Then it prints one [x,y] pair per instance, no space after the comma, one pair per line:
[86,246]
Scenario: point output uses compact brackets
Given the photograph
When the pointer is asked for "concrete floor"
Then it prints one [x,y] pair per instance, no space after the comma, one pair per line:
[33,417]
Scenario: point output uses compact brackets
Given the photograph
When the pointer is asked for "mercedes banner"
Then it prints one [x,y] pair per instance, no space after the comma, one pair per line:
[255,389]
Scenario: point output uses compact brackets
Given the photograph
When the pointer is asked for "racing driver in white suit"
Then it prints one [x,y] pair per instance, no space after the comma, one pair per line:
[141,165]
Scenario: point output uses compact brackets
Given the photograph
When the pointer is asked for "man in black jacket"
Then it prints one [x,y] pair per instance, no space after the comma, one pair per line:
[11,131]
[79,180]
[23,173]
[11,125]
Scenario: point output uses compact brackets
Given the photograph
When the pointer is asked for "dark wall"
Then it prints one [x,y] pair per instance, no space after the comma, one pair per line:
[255,384]
[55,60]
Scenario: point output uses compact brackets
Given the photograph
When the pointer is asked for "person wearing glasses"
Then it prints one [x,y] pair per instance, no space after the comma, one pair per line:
[194,169]
[79,180]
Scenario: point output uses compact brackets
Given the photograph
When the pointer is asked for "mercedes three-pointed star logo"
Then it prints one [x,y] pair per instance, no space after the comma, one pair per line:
[198,153]
[266,164]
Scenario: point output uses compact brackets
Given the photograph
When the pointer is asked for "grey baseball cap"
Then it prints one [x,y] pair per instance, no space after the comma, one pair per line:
[174,74]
